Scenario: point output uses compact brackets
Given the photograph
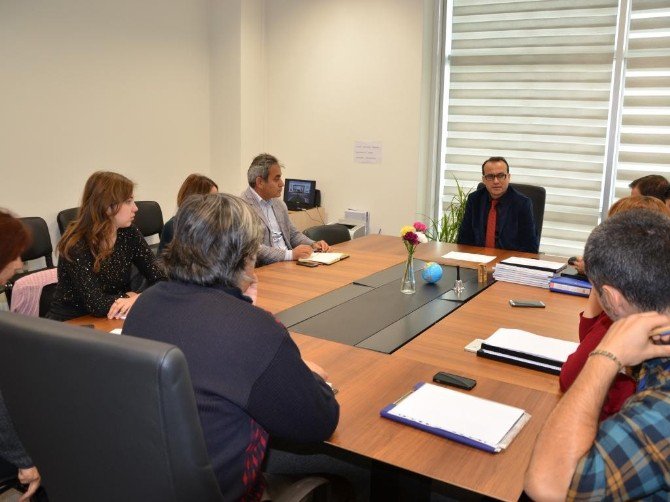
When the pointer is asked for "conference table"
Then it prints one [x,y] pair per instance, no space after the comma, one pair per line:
[368,380]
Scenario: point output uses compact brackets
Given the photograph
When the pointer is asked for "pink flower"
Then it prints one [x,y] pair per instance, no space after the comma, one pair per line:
[412,238]
[420,227]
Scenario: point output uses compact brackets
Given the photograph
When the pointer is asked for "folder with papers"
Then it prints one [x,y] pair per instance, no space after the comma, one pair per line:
[570,286]
[470,420]
[527,349]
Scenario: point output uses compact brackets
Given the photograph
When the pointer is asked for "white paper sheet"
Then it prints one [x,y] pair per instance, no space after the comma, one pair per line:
[325,258]
[480,419]
[531,262]
[529,343]
[473,257]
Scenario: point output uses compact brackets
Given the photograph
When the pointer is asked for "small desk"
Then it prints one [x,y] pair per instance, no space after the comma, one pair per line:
[368,381]
[308,218]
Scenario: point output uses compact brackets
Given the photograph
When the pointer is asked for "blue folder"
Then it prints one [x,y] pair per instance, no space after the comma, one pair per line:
[433,430]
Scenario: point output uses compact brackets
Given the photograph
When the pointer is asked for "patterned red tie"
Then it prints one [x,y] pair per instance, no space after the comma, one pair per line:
[491,225]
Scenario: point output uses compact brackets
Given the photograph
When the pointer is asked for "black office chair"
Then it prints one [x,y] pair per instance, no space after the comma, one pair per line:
[332,234]
[122,421]
[64,218]
[538,196]
[39,248]
[8,477]
[149,217]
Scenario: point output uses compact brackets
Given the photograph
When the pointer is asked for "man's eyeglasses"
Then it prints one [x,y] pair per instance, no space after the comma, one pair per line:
[499,177]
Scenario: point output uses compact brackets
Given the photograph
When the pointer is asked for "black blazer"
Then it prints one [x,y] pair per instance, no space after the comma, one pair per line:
[515,227]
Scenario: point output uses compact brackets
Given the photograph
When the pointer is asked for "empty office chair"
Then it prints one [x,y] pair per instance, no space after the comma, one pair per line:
[65,217]
[40,248]
[41,241]
[538,196]
[332,234]
[121,410]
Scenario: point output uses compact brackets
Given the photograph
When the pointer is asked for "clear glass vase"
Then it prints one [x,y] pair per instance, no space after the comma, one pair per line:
[408,284]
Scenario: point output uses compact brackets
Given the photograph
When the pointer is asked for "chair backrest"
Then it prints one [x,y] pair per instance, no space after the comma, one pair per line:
[33,293]
[105,417]
[149,217]
[538,196]
[332,234]
[65,217]
[40,246]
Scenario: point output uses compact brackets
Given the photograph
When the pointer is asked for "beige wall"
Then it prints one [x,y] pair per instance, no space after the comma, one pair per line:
[157,89]
[116,85]
[342,71]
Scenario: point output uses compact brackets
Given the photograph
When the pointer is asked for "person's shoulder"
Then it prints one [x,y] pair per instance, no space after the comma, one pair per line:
[247,195]
[225,302]
[646,412]
[129,233]
[476,195]
[277,202]
[516,195]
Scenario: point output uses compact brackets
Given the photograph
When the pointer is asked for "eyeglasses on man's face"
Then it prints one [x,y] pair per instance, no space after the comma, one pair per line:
[499,177]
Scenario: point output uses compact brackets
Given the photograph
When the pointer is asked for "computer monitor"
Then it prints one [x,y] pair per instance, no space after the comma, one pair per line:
[300,194]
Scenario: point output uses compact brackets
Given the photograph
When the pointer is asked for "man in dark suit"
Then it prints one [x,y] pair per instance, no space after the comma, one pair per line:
[497,215]
[281,240]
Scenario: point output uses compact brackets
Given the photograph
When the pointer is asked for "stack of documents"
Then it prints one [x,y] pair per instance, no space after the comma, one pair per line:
[570,286]
[470,420]
[527,271]
[527,349]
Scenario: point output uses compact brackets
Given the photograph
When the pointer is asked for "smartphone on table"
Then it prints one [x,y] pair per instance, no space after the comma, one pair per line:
[527,303]
[454,380]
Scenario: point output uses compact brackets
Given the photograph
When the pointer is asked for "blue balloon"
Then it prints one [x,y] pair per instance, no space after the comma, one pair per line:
[432,272]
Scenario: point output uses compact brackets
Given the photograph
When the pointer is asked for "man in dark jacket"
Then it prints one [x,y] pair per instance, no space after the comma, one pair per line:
[497,215]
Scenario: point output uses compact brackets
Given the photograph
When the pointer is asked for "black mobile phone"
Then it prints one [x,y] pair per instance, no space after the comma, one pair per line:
[454,380]
[307,264]
[527,303]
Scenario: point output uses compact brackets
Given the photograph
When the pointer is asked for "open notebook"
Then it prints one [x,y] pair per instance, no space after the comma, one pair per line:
[325,258]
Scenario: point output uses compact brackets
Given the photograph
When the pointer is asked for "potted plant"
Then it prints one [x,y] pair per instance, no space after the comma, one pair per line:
[445,228]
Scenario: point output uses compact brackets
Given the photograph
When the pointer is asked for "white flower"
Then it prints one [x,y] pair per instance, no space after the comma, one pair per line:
[422,237]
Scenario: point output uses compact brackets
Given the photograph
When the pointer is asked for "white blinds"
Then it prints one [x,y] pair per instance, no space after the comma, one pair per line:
[530,80]
[644,143]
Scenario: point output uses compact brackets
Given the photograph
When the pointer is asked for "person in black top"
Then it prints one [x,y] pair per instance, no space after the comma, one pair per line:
[97,252]
[192,185]
[249,379]
[14,239]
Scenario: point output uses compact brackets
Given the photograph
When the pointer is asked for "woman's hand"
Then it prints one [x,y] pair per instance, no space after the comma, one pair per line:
[316,369]
[30,477]
[122,306]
